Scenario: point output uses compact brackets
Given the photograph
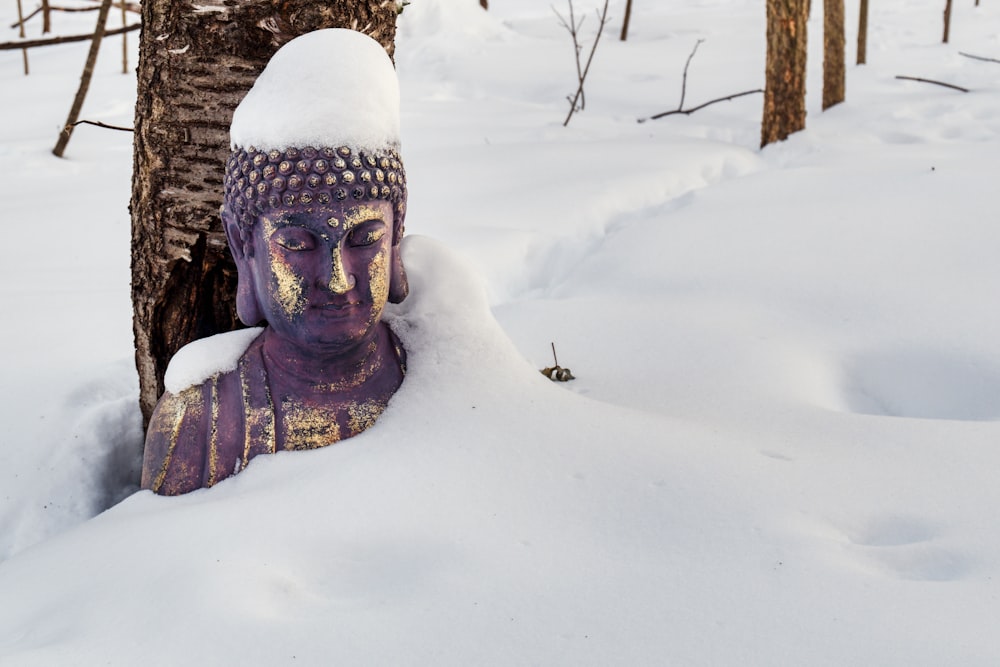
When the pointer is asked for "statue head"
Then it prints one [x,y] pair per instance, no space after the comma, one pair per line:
[315,191]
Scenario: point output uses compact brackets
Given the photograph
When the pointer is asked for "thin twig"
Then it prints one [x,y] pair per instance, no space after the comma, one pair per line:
[24,50]
[983,58]
[573,27]
[88,71]
[554,357]
[52,8]
[684,81]
[936,83]
[98,124]
[602,18]
[688,112]
[124,40]
[27,44]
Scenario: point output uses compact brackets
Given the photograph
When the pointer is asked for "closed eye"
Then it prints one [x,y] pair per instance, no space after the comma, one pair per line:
[366,234]
[295,239]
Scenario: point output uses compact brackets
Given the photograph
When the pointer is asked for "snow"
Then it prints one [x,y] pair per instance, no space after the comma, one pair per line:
[201,359]
[780,448]
[331,87]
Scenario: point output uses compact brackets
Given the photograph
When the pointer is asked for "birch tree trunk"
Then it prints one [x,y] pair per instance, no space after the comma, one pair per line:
[833,53]
[785,88]
[196,61]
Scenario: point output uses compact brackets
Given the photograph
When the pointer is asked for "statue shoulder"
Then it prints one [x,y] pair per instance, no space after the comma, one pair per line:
[201,359]
[173,459]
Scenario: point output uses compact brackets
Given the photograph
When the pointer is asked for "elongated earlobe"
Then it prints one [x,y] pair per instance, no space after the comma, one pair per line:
[398,286]
[247,307]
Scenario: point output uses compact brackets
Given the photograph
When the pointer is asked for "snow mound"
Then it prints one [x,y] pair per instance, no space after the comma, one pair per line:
[201,359]
[331,87]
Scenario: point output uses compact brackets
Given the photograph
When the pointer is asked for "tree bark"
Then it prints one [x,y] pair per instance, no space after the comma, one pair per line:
[195,64]
[785,89]
[833,53]
[863,32]
[628,17]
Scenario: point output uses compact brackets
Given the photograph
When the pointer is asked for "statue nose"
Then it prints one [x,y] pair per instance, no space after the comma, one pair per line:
[340,281]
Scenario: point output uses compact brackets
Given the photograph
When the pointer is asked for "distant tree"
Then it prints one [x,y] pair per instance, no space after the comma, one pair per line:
[863,32]
[196,61]
[628,16]
[785,87]
[833,53]
[485,4]
[947,20]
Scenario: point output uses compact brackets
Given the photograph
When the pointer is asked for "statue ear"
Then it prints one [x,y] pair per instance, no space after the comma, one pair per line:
[398,285]
[246,293]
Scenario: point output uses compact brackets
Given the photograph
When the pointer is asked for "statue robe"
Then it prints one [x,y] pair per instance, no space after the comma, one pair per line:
[211,430]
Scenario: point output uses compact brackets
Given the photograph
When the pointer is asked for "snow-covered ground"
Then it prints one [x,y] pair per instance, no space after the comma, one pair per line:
[781,448]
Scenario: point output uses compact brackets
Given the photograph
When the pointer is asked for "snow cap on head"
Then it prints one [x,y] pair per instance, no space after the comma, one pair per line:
[332,87]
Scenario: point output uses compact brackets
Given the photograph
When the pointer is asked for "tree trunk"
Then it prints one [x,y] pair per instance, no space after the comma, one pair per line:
[833,53]
[947,20]
[195,64]
[484,4]
[785,88]
[628,16]
[863,32]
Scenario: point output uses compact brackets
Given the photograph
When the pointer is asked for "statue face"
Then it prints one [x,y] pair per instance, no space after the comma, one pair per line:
[321,273]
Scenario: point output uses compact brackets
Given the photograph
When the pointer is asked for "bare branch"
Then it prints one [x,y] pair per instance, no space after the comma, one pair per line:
[602,18]
[983,58]
[936,83]
[688,112]
[573,27]
[88,70]
[27,44]
[684,81]
[53,8]
[98,124]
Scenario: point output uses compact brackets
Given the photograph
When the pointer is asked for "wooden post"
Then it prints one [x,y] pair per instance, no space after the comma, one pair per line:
[24,52]
[88,71]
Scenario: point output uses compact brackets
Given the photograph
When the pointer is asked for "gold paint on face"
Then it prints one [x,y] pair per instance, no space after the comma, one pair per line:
[333,222]
[289,290]
[378,276]
[339,282]
[361,213]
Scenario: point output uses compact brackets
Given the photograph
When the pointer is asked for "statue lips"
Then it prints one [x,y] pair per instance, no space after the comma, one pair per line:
[338,309]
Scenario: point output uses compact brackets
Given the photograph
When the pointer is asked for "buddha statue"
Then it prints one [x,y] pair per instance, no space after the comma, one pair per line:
[314,202]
